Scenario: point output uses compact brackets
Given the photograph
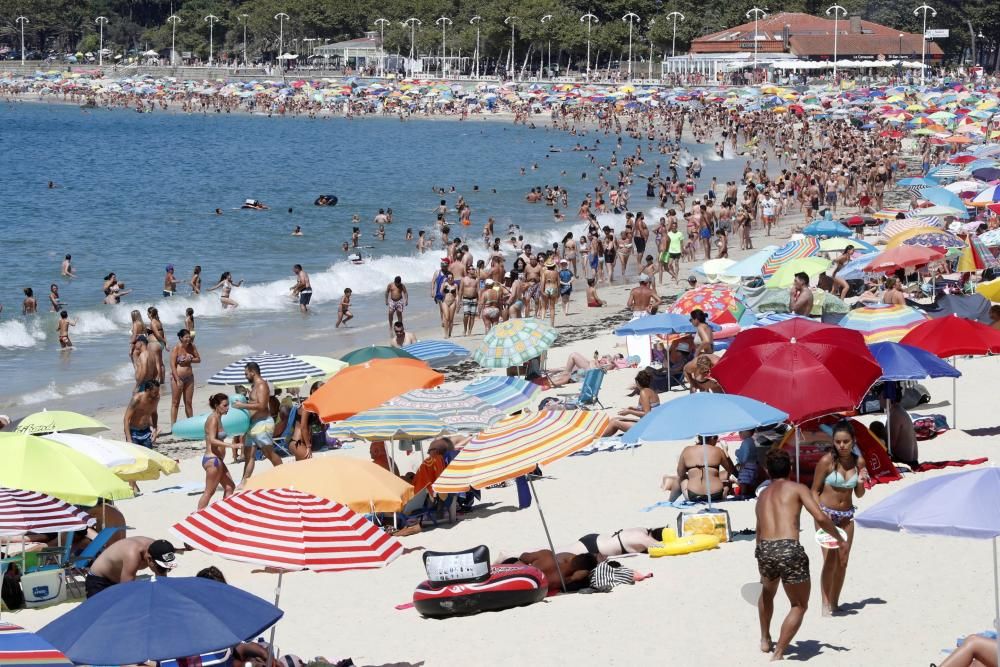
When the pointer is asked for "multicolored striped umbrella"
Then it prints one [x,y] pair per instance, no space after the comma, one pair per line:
[785,275]
[514,342]
[990,195]
[438,353]
[389,422]
[516,445]
[894,228]
[719,302]
[806,247]
[288,530]
[880,324]
[273,368]
[459,410]
[976,257]
[32,512]
[20,648]
[507,394]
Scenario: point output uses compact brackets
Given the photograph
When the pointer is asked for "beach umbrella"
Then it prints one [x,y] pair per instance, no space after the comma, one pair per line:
[990,289]
[363,354]
[960,505]
[917,181]
[61,421]
[976,257]
[792,250]
[514,342]
[906,362]
[883,323]
[507,394]
[437,353]
[105,452]
[719,303]
[20,648]
[273,368]
[939,240]
[941,197]
[896,236]
[37,464]
[903,256]
[750,267]
[953,336]
[990,195]
[839,244]
[24,512]
[459,410]
[986,173]
[124,625]
[389,422]
[661,323]
[784,277]
[360,485]
[714,270]
[971,306]
[156,464]
[328,365]
[827,228]
[990,238]
[369,385]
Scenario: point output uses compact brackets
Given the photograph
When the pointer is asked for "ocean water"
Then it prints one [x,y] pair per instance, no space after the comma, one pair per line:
[138,191]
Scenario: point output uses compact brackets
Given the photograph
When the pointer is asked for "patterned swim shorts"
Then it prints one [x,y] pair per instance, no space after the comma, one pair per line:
[782,559]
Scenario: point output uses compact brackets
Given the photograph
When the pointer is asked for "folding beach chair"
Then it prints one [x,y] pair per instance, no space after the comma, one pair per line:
[77,567]
[281,441]
[590,388]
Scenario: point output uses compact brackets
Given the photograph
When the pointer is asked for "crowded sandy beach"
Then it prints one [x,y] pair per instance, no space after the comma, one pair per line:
[717,377]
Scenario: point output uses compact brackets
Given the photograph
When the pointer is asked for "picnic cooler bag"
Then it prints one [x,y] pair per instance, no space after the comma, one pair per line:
[712,521]
[44,587]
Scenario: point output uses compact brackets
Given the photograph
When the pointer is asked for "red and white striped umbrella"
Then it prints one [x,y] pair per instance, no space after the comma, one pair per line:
[288,530]
[32,512]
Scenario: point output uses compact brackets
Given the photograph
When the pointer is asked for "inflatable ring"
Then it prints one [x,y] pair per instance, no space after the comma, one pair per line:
[234,422]
[685,545]
[508,586]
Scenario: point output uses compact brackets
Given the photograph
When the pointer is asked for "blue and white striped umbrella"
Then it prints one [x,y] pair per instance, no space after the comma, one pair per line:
[508,394]
[438,353]
[273,368]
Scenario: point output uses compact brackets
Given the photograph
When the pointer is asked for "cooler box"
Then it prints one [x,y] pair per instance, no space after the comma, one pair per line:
[705,522]
[44,588]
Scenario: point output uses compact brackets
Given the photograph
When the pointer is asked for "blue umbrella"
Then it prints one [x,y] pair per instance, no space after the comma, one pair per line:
[661,323]
[917,181]
[966,504]
[749,267]
[906,362]
[438,353]
[942,197]
[827,228]
[854,269]
[159,619]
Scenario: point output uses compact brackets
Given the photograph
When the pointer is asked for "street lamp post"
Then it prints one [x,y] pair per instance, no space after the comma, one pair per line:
[756,14]
[22,20]
[511,20]
[211,18]
[546,19]
[444,22]
[243,19]
[673,41]
[475,21]
[650,73]
[100,21]
[413,23]
[923,37]
[381,23]
[591,20]
[174,20]
[630,18]
[281,17]
[836,9]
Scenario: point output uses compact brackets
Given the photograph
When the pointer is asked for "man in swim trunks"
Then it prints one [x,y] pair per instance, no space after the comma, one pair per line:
[780,557]
[141,417]
[575,568]
[261,433]
[146,368]
[470,302]
[401,337]
[396,298]
[120,562]
[302,288]
[533,290]
[643,299]
[800,296]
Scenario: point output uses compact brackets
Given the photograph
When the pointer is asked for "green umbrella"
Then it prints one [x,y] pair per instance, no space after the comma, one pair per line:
[365,354]
[58,421]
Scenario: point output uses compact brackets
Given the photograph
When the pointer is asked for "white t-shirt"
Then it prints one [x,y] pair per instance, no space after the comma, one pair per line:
[768,205]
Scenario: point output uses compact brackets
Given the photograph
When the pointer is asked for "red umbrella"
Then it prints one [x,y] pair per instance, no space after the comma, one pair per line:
[962,159]
[803,367]
[950,337]
[903,256]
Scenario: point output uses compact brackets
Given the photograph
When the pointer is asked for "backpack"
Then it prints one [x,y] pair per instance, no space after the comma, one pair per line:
[11,593]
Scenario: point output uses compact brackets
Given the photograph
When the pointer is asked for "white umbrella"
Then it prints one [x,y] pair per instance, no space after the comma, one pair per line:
[106,452]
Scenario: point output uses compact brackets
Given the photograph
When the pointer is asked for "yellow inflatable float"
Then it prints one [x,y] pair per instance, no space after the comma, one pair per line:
[677,546]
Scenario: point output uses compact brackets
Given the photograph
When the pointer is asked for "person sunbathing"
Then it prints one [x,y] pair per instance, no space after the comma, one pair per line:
[575,568]
[618,543]
[975,650]
[697,373]
[692,465]
[627,417]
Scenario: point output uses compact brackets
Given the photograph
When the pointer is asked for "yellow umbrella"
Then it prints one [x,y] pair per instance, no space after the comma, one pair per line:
[58,421]
[356,483]
[149,464]
[990,289]
[785,275]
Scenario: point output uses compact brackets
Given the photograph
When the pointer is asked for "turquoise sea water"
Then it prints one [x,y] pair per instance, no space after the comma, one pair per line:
[138,191]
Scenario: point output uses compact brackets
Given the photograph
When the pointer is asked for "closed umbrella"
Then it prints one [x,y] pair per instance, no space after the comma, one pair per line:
[61,421]
[961,505]
[125,624]
[514,342]
[881,323]
[438,353]
[363,354]
[792,250]
[37,464]
[273,368]
[369,385]
[460,411]
[389,422]
[507,394]
[20,648]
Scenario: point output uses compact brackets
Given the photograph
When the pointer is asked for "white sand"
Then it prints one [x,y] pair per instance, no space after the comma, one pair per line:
[910,596]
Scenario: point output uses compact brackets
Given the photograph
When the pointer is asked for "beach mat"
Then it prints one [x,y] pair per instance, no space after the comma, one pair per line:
[957,463]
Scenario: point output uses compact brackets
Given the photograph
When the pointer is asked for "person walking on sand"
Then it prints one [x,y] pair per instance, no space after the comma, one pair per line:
[214,459]
[261,433]
[396,299]
[780,556]
[182,374]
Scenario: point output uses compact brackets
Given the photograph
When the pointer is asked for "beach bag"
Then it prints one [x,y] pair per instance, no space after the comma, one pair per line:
[928,427]
[609,574]
[445,568]
[705,522]
[11,593]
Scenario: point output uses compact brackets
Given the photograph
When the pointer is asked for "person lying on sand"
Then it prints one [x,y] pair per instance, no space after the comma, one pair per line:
[575,568]
[620,542]
[975,650]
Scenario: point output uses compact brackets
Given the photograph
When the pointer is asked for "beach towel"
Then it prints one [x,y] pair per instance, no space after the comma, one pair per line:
[605,445]
[957,463]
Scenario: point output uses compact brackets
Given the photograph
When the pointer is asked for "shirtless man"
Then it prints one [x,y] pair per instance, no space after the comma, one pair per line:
[550,290]
[146,368]
[67,267]
[533,288]
[575,568]
[261,433]
[396,298]
[123,560]
[401,337]
[141,418]
[893,295]
[62,329]
[780,557]
[470,300]
[642,299]
[302,288]
[800,297]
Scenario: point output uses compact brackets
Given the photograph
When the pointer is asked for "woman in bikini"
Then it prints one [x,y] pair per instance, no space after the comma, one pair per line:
[227,285]
[840,476]
[213,461]
[449,301]
[625,249]
[569,250]
[182,374]
[627,417]
[691,468]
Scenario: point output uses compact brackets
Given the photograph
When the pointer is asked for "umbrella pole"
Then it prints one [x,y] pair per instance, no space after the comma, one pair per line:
[545,527]
[996,595]
[954,396]
[270,641]
[797,475]
[708,491]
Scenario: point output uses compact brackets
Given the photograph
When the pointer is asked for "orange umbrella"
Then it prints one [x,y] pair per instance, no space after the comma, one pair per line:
[369,385]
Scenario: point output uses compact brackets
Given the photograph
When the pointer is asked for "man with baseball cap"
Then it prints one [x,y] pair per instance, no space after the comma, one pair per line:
[121,561]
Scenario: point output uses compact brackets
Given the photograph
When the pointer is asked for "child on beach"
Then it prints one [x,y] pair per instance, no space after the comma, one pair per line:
[593,301]
[344,312]
[189,321]
[62,328]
